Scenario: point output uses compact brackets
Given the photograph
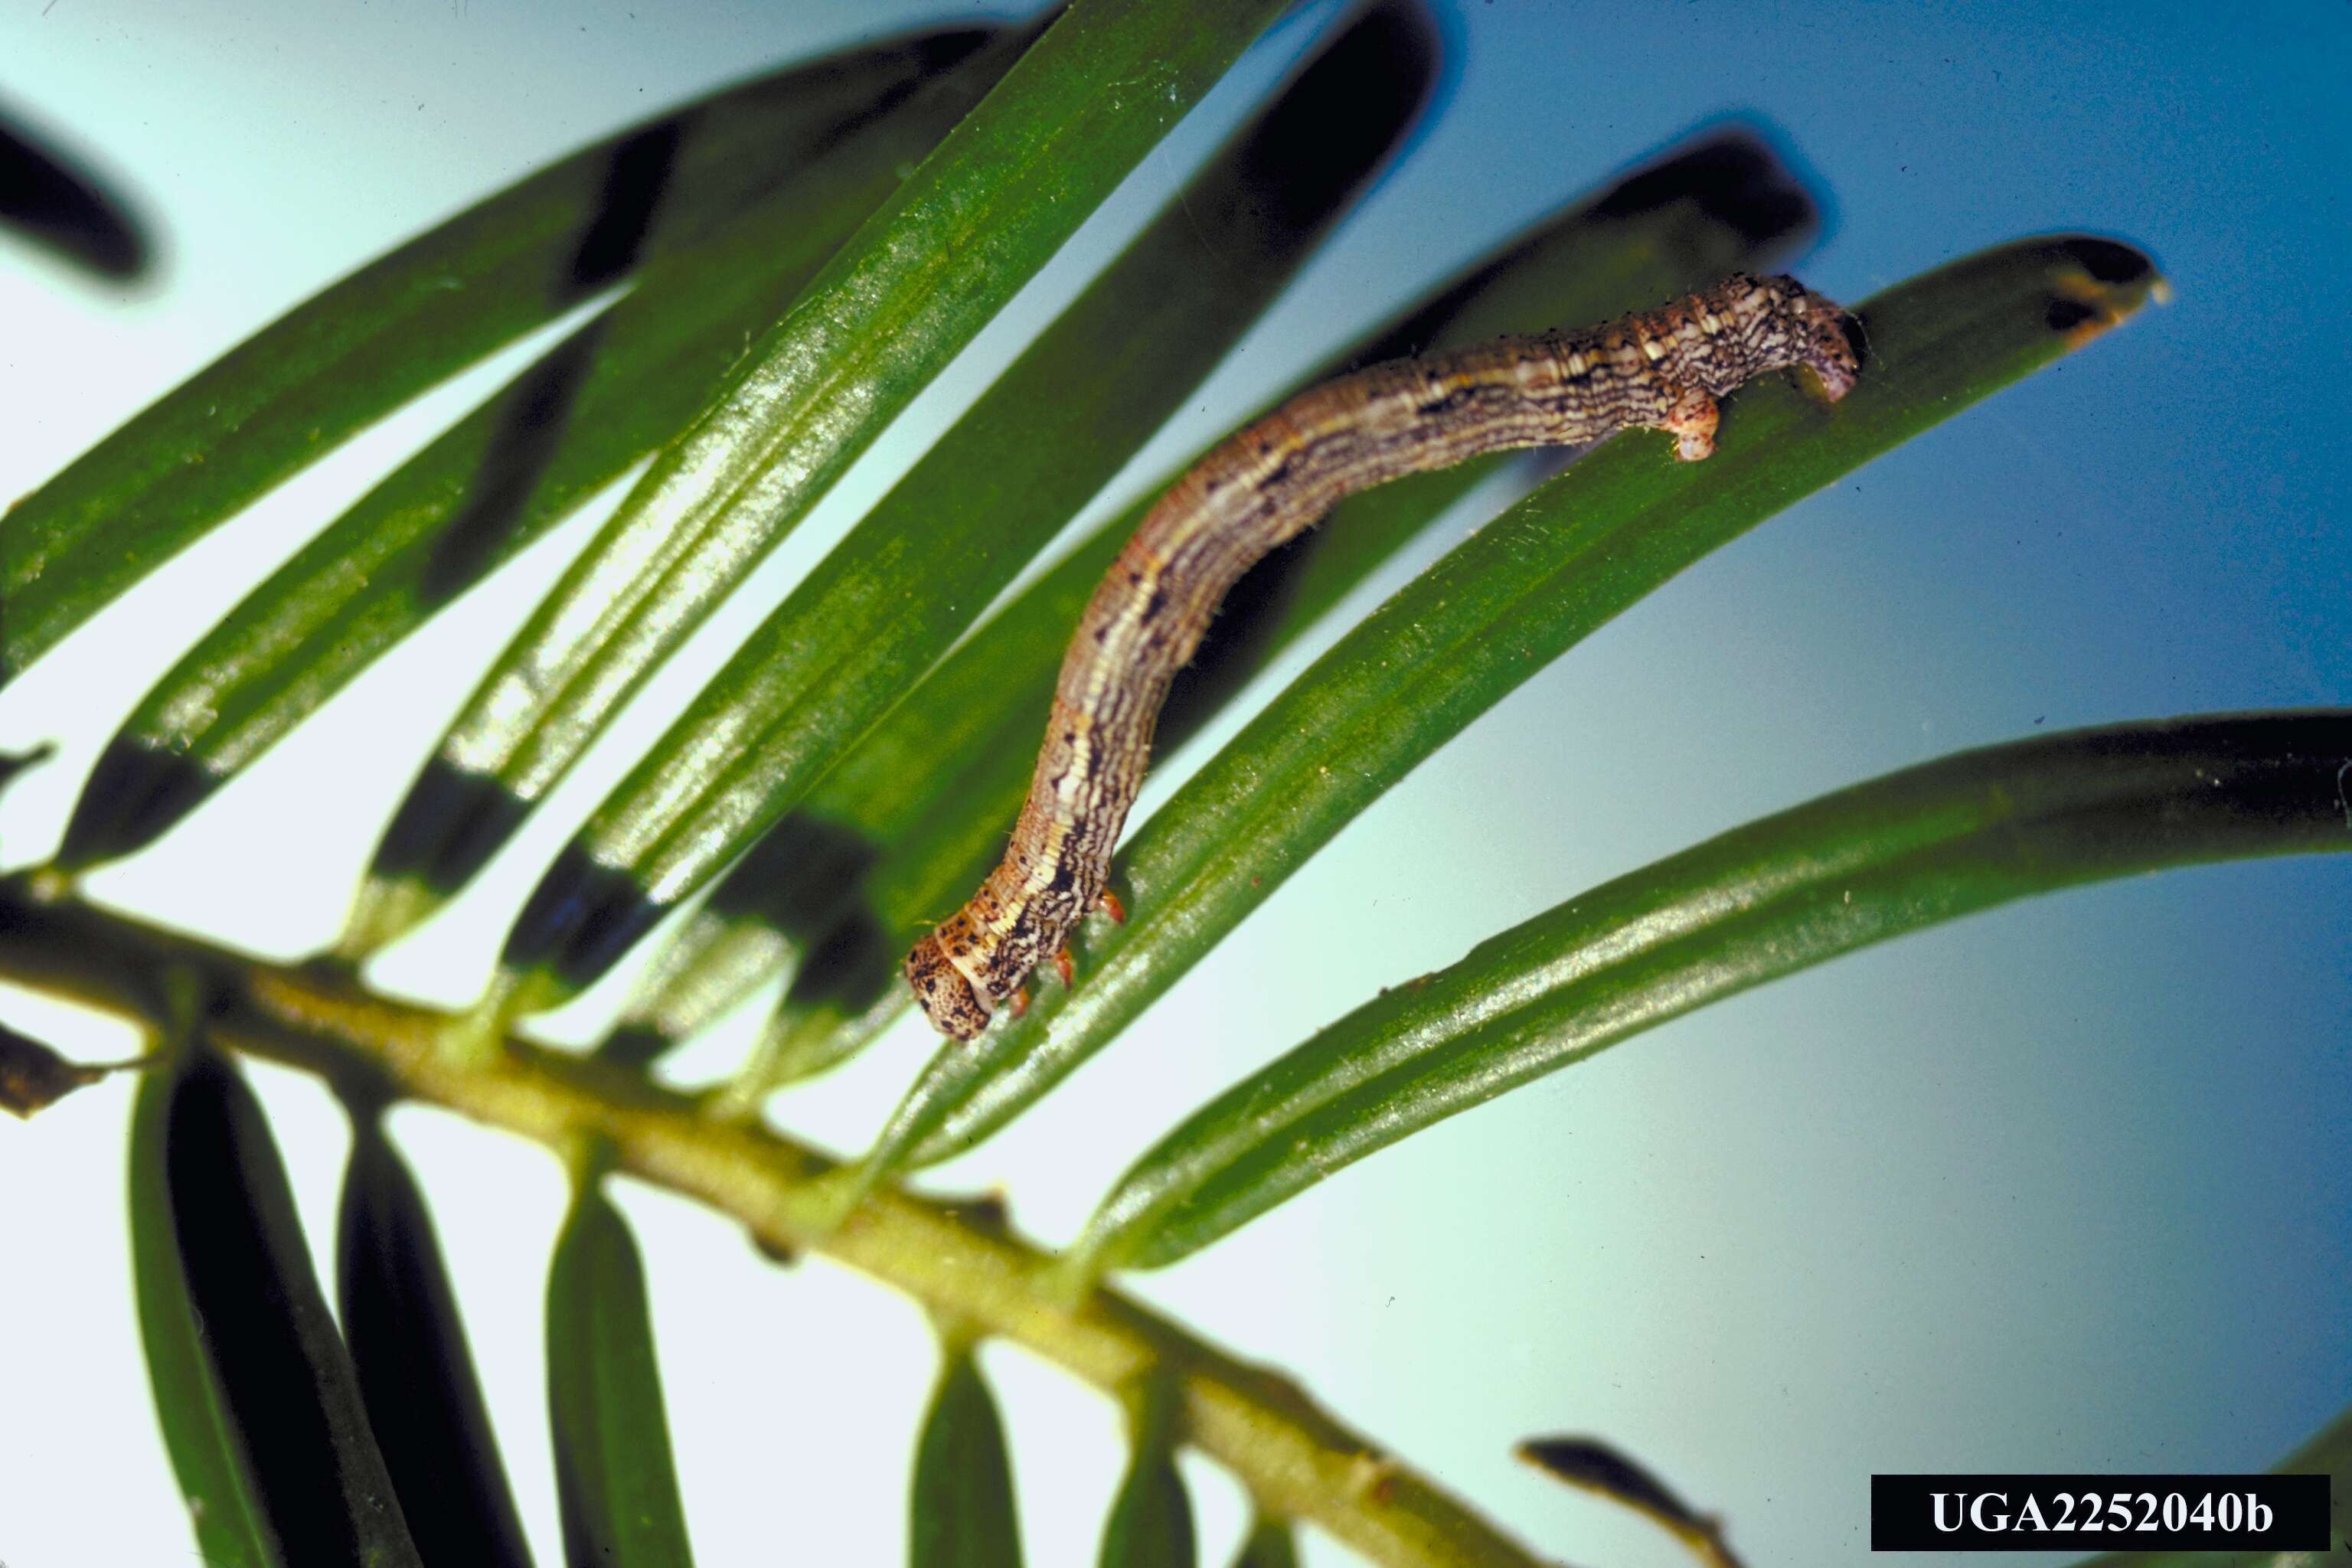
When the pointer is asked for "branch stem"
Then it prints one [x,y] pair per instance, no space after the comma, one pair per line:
[1297,1459]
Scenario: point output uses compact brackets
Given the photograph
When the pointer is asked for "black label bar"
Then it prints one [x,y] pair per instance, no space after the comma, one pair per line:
[2098,1513]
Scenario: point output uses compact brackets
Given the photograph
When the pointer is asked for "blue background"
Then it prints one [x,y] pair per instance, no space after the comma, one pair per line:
[2067,1187]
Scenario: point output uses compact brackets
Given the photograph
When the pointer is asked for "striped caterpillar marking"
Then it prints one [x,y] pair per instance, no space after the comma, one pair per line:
[1663,369]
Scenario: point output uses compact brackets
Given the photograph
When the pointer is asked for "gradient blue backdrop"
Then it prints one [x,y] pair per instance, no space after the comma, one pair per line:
[2066,1186]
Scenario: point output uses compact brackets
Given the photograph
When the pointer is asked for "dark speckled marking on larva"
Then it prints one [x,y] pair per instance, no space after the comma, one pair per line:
[1662,368]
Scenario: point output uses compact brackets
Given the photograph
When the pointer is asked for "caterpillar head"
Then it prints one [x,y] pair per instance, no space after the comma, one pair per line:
[955,1007]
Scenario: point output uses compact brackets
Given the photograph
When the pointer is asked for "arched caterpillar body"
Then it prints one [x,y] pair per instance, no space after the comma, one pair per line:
[1663,369]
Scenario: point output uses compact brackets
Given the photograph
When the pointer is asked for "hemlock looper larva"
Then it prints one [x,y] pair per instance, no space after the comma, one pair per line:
[1659,369]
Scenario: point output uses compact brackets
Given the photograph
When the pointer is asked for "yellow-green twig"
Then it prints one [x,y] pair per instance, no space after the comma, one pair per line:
[1294,1457]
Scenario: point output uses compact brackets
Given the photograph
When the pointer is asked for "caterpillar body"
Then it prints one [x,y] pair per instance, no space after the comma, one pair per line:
[1659,369]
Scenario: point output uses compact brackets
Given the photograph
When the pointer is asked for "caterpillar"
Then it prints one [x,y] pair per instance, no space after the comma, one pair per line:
[1659,369]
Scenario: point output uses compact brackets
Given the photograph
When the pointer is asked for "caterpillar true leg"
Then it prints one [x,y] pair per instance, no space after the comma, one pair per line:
[1662,368]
